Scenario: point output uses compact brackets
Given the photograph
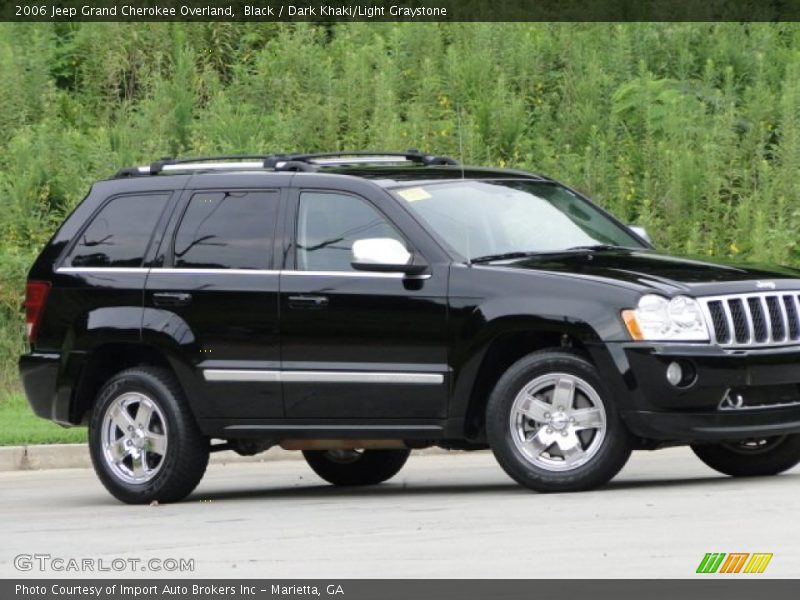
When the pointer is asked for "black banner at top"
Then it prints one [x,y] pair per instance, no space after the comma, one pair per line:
[326,11]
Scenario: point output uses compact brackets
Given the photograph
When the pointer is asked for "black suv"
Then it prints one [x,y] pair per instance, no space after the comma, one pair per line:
[356,306]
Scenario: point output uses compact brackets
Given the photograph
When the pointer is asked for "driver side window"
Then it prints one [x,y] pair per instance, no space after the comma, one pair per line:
[329,223]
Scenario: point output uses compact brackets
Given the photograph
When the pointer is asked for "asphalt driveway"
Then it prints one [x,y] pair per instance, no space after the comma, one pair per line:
[455,515]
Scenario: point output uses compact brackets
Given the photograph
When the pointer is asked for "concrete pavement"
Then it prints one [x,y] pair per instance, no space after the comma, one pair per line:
[455,515]
[76,456]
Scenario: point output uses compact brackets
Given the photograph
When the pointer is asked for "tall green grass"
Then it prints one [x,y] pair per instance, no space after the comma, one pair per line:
[692,130]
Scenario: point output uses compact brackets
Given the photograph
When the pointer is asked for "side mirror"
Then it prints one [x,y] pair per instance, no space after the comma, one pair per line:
[641,232]
[384,255]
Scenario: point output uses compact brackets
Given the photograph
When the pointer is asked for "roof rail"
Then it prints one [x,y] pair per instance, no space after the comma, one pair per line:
[158,166]
[283,162]
[362,157]
[246,161]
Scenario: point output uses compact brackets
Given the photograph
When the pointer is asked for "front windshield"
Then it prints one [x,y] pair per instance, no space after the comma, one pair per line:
[487,218]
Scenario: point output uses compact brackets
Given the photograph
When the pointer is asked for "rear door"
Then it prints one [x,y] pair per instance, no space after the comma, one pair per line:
[214,300]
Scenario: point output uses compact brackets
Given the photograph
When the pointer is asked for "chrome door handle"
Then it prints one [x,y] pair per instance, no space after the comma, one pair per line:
[308,302]
[171,298]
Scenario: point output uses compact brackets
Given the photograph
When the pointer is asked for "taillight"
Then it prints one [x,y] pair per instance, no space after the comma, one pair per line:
[35,299]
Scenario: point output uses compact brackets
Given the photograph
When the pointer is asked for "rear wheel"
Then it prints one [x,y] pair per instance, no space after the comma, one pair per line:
[356,467]
[143,440]
[552,425]
[752,457]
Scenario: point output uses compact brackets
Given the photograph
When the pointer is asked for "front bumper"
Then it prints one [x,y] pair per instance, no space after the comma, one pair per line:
[766,381]
[712,426]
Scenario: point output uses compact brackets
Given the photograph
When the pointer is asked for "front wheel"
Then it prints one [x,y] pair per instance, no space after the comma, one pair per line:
[553,426]
[144,442]
[356,467]
[752,457]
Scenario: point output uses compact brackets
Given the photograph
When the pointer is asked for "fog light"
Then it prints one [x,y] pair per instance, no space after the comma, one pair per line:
[674,373]
[681,374]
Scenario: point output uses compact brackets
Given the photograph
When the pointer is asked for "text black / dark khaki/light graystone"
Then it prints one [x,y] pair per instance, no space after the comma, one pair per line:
[356,306]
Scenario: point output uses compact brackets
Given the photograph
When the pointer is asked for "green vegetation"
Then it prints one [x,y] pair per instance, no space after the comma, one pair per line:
[19,427]
[692,130]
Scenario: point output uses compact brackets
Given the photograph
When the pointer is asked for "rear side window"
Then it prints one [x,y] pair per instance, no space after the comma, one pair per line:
[227,230]
[119,234]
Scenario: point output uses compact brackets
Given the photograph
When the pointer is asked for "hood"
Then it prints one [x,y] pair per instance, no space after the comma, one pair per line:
[667,274]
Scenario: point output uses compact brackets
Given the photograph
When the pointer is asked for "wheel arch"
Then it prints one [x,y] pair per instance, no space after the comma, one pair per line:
[506,341]
[108,340]
[103,362]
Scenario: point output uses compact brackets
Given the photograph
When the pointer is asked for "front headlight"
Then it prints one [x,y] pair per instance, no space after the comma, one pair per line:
[657,319]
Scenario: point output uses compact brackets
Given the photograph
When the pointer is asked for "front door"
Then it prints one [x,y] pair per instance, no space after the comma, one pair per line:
[357,345]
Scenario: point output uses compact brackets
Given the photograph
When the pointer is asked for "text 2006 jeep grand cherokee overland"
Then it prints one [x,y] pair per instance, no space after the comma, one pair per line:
[354,306]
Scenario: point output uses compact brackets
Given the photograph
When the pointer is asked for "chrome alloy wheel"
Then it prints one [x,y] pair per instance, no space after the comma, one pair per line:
[134,437]
[558,422]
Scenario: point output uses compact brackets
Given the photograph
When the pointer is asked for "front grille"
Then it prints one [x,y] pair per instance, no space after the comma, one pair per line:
[739,321]
[754,319]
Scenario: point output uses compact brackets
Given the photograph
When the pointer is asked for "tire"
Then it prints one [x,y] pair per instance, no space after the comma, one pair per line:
[354,467]
[551,450]
[751,458]
[144,442]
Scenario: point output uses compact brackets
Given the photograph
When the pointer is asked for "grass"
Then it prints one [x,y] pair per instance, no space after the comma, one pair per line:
[19,426]
[689,129]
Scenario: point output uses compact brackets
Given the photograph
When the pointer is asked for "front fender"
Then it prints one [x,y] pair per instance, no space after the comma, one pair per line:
[488,304]
[478,332]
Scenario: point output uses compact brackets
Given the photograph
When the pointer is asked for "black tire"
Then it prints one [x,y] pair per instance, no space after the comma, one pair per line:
[751,458]
[605,454]
[185,457]
[365,467]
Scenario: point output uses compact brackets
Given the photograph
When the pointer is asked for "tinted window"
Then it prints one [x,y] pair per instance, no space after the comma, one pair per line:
[119,233]
[327,226]
[227,230]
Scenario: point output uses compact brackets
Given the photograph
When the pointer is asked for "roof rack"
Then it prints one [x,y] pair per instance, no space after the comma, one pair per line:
[283,162]
[359,158]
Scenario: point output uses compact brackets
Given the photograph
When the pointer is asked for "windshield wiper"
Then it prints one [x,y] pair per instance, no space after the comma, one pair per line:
[528,254]
[595,247]
[501,256]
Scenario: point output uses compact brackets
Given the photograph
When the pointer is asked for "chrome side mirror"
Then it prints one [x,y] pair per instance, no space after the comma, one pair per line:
[641,232]
[385,255]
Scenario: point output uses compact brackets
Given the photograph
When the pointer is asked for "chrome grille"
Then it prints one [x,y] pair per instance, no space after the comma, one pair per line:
[754,319]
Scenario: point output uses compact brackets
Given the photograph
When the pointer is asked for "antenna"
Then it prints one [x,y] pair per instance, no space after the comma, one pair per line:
[460,142]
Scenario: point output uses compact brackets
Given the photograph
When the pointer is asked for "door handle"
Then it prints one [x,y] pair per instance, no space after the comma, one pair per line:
[308,302]
[171,298]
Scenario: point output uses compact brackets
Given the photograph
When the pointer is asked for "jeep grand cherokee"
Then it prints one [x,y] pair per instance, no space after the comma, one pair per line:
[356,306]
